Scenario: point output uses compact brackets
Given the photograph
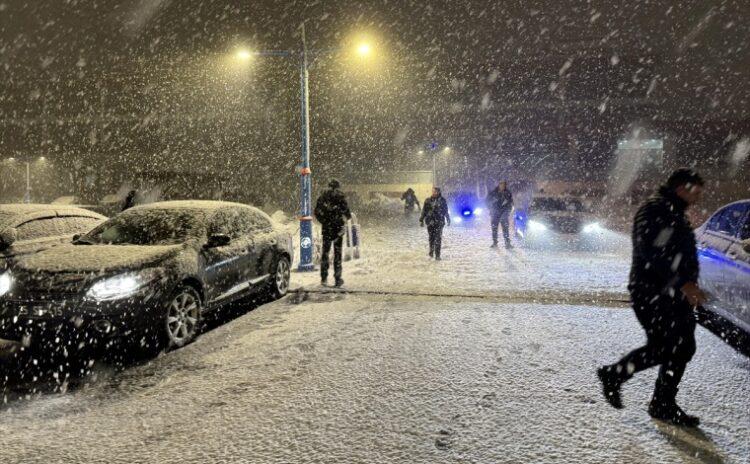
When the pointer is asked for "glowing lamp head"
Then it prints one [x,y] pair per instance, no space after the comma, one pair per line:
[244,55]
[364,49]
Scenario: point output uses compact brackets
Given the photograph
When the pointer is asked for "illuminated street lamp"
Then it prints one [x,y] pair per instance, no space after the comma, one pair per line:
[305,210]
[27,194]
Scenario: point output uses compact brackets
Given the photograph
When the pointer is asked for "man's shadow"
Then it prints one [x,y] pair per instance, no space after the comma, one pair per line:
[692,442]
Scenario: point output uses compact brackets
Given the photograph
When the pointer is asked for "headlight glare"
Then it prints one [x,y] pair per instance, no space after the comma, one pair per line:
[592,228]
[536,226]
[122,286]
[6,282]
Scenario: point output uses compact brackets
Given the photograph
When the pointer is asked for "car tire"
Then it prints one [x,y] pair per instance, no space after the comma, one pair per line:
[278,283]
[182,318]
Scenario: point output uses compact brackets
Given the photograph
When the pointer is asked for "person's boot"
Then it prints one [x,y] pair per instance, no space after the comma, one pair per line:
[437,258]
[494,245]
[324,281]
[508,246]
[663,407]
[339,282]
[610,386]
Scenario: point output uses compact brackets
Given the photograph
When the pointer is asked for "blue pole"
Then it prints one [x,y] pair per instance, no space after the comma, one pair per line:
[305,217]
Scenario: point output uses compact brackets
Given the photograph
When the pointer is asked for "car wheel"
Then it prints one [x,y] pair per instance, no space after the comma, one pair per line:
[183,317]
[279,281]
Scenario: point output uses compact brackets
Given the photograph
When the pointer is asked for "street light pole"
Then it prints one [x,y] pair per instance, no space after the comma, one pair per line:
[305,217]
[27,196]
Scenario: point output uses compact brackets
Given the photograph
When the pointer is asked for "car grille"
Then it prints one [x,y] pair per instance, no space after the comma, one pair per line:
[49,286]
[566,225]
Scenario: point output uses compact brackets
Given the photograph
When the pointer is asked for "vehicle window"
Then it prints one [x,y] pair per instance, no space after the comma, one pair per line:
[745,232]
[253,222]
[38,228]
[225,221]
[149,227]
[557,204]
[70,225]
[727,221]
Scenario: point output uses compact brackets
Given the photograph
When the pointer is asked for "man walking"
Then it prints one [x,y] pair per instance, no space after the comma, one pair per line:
[332,211]
[664,292]
[410,199]
[435,215]
[500,203]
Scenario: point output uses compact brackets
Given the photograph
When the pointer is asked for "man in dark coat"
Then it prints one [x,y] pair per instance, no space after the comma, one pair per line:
[410,199]
[332,211]
[435,215]
[664,292]
[129,200]
[500,203]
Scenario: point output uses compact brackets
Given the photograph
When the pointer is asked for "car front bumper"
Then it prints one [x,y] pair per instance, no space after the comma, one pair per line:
[75,322]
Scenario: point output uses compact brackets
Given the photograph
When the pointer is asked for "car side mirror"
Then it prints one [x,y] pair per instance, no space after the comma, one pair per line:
[217,240]
[746,245]
[76,237]
[8,237]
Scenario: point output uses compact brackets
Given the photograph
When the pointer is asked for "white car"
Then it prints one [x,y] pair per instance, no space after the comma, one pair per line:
[724,255]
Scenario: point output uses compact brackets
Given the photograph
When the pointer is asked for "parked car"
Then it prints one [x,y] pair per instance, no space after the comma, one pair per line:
[724,255]
[146,276]
[556,215]
[29,228]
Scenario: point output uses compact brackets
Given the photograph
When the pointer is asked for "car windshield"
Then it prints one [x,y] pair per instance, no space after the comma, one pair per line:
[147,227]
[557,204]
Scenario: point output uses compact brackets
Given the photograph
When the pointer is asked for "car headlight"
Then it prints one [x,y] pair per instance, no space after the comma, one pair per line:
[592,228]
[478,211]
[6,282]
[123,285]
[537,226]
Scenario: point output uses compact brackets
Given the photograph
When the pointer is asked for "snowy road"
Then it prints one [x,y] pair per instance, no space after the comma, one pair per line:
[395,260]
[380,375]
[356,379]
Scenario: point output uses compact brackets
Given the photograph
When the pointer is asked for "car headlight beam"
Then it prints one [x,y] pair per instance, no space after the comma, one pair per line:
[6,282]
[121,286]
[536,226]
[593,228]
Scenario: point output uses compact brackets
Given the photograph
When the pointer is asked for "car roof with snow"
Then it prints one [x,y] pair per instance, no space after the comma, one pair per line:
[13,214]
[204,208]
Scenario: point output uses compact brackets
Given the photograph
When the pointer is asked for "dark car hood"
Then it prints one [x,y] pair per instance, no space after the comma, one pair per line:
[33,246]
[96,258]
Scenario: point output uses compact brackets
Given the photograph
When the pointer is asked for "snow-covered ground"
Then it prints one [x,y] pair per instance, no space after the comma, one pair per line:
[394,258]
[390,379]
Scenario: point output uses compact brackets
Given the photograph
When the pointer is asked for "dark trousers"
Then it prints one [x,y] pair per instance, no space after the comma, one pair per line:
[435,233]
[670,343]
[338,242]
[502,220]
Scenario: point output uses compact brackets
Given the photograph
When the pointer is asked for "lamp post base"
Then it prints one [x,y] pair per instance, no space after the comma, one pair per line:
[306,268]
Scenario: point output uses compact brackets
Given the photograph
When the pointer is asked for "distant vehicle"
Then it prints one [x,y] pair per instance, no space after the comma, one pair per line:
[724,255]
[464,207]
[146,277]
[556,215]
[30,228]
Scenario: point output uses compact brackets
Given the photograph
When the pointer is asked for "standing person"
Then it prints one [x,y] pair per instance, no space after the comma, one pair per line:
[664,292]
[410,199]
[435,215]
[332,211]
[500,203]
[129,200]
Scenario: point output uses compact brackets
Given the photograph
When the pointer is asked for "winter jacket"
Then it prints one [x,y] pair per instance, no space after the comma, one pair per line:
[332,211]
[499,203]
[665,256]
[435,212]
[410,198]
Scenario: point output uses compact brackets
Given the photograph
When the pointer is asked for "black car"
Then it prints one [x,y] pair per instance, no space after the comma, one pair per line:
[30,228]
[146,276]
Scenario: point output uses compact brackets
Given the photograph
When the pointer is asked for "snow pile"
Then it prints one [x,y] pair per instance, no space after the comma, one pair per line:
[379,205]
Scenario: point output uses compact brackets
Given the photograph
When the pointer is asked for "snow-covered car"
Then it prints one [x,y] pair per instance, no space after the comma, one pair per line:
[724,255]
[145,277]
[556,215]
[30,228]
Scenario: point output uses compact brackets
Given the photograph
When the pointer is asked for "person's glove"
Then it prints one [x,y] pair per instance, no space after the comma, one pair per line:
[421,223]
[448,223]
